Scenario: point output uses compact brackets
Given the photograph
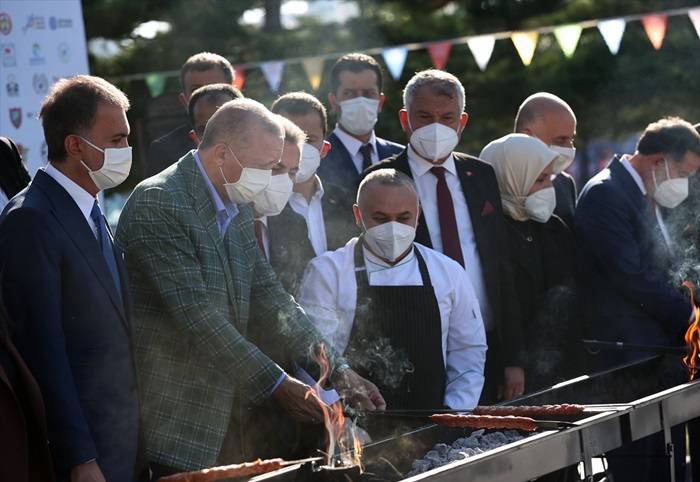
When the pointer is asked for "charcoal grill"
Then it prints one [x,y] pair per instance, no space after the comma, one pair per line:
[610,423]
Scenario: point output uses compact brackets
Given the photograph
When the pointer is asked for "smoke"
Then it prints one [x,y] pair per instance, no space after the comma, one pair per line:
[382,363]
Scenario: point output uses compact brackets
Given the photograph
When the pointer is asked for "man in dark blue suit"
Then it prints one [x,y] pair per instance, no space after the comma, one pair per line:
[356,98]
[65,286]
[626,253]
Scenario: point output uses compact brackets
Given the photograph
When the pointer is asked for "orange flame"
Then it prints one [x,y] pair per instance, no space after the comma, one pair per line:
[342,436]
[692,335]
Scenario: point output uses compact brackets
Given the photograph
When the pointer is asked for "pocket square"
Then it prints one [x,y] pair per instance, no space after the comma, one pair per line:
[488,209]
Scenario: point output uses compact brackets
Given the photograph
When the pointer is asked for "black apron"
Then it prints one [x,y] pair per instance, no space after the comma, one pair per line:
[396,339]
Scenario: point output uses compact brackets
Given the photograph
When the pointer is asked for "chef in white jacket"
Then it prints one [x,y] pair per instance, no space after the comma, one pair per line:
[404,315]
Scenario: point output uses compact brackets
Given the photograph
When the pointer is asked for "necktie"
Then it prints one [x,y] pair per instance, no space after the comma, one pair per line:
[446,213]
[366,151]
[258,225]
[105,244]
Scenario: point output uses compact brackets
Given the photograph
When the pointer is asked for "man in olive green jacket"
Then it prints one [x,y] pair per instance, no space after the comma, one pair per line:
[198,279]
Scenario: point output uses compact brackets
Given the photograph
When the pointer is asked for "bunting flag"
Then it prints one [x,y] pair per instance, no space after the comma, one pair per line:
[694,15]
[525,43]
[482,48]
[439,53]
[612,31]
[568,36]
[239,78]
[314,68]
[655,27]
[273,74]
[395,59]
[155,83]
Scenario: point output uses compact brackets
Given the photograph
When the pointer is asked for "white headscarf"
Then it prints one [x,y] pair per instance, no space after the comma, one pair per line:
[518,161]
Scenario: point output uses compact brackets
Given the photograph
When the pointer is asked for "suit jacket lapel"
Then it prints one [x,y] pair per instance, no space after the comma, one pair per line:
[346,167]
[204,207]
[475,199]
[422,233]
[71,218]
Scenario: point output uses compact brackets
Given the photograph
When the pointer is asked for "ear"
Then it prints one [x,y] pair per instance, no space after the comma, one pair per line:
[463,119]
[527,131]
[358,216]
[73,147]
[325,149]
[403,119]
[219,154]
[381,102]
[183,100]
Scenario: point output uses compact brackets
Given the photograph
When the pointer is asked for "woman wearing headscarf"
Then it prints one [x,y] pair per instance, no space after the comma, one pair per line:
[542,256]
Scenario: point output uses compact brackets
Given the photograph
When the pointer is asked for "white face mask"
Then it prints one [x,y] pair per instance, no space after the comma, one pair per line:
[567,156]
[358,115]
[252,182]
[671,192]
[115,168]
[310,160]
[272,200]
[540,205]
[389,240]
[434,141]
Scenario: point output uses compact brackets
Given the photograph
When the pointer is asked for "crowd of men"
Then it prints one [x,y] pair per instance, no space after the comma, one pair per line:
[259,244]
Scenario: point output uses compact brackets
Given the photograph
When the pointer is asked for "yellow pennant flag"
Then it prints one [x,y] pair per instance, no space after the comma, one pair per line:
[568,36]
[314,68]
[525,43]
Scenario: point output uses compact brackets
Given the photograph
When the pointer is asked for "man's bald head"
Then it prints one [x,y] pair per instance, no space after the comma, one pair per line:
[386,195]
[235,120]
[547,117]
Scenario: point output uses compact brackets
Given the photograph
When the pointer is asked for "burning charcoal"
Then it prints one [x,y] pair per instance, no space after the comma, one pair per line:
[441,449]
[419,466]
[456,454]
[470,442]
[469,452]
[495,439]
[477,433]
[434,458]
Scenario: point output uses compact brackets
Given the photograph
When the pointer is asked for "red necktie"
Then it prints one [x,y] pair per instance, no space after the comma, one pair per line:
[446,214]
[258,225]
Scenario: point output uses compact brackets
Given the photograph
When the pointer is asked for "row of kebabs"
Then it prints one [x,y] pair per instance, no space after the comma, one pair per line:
[486,417]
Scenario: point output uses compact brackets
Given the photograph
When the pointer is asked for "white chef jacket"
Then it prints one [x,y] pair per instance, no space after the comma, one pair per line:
[328,294]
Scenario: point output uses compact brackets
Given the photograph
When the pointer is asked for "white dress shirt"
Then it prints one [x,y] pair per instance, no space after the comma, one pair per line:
[312,212]
[328,294]
[426,183]
[265,235]
[625,161]
[82,198]
[3,200]
[353,146]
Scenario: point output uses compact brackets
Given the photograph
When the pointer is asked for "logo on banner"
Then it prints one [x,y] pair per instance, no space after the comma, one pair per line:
[40,83]
[12,86]
[64,52]
[36,58]
[34,22]
[16,116]
[5,23]
[55,23]
[8,55]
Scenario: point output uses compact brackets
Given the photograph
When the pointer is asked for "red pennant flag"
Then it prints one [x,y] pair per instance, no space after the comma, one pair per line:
[655,27]
[439,53]
[239,77]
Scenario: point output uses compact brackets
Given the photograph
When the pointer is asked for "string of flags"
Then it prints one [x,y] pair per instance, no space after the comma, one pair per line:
[481,47]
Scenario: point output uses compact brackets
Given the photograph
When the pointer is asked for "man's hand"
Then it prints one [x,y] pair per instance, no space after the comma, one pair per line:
[357,392]
[87,472]
[299,401]
[513,383]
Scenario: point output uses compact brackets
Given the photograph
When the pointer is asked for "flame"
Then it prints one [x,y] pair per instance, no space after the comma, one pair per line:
[692,335]
[341,433]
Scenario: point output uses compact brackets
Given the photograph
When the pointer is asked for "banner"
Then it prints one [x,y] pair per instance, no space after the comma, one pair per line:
[395,60]
[655,27]
[439,54]
[239,80]
[525,43]
[612,31]
[568,36]
[41,41]
[482,48]
[314,68]
[273,74]
[694,15]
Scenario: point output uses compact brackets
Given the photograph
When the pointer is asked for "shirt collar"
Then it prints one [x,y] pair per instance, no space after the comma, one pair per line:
[82,198]
[625,161]
[420,166]
[219,204]
[374,264]
[317,196]
[353,145]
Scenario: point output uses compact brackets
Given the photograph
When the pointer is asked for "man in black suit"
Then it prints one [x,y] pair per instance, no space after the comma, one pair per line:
[65,287]
[551,120]
[356,98]
[201,69]
[462,216]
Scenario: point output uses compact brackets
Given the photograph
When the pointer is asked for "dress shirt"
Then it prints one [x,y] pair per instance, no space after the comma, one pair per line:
[426,184]
[265,236]
[225,211]
[82,198]
[312,212]
[3,200]
[353,146]
[625,161]
[328,294]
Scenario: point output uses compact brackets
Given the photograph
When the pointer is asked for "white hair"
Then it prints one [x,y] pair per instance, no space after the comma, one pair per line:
[439,81]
